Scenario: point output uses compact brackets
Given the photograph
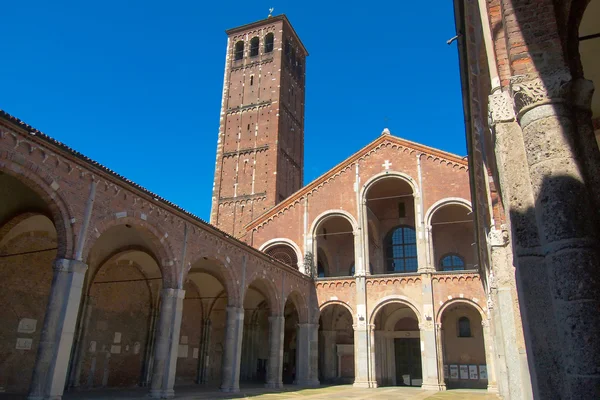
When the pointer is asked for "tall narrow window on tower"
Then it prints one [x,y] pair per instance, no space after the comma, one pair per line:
[239,50]
[254,45]
[269,42]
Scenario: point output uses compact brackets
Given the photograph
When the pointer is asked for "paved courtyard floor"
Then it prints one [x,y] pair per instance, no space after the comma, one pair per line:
[291,392]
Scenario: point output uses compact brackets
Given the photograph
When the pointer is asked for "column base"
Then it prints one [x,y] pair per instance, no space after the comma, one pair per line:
[492,388]
[437,387]
[365,384]
[314,383]
[230,389]
[162,394]
[274,385]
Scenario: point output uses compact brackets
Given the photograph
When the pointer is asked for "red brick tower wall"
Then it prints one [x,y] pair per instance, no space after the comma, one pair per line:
[261,135]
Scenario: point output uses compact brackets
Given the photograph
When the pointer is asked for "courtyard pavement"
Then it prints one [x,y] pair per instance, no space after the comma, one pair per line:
[291,392]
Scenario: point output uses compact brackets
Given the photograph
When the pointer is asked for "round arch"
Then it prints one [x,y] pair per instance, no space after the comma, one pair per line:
[390,300]
[284,241]
[438,318]
[214,266]
[268,289]
[160,243]
[299,302]
[445,202]
[332,213]
[324,305]
[59,208]
[384,175]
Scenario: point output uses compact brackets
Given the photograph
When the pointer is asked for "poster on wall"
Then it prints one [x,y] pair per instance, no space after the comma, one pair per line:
[464,371]
[483,372]
[446,371]
[473,372]
[454,372]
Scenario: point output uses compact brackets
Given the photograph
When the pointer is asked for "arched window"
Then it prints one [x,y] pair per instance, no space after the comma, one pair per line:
[254,44]
[401,250]
[239,50]
[285,254]
[464,327]
[269,42]
[452,262]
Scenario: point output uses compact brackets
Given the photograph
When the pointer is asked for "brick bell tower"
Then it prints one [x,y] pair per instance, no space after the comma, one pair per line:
[260,150]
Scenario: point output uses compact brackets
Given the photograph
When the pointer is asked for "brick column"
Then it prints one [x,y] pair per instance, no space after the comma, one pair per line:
[166,345]
[54,351]
[275,365]
[233,350]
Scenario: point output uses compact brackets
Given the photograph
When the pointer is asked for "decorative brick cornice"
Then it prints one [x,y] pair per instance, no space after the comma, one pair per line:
[247,107]
[246,151]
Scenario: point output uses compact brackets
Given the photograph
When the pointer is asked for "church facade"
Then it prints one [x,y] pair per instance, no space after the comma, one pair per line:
[368,275]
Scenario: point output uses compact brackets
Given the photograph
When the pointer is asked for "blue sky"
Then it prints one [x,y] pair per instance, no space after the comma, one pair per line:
[137,85]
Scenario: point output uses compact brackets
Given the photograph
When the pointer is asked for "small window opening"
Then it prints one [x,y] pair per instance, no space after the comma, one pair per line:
[401,210]
[239,50]
[464,327]
[252,80]
[248,126]
[269,42]
[254,44]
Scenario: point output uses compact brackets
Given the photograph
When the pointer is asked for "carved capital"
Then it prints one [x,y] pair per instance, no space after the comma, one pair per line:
[501,108]
[582,93]
[426,325]
[498,237]
[485,323]
[531,90]
[67,265]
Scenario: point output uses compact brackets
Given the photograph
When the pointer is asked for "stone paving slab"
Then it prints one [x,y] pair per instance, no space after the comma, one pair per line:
[290,392]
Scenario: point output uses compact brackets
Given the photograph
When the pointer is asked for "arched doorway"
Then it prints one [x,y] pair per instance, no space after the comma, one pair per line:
[120,311]
[452,238]
[463,347]
[334,237]
[28,248]
[390,212]
[336,345]
[258,305]
[397,346]
[203,324]
[290,345]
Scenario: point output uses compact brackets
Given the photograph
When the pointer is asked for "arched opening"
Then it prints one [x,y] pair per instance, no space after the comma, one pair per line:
[463,347]
[589,50]
[336,345]
[390,214]
[290,342]
[254,46]
[334,236]
[322,264]
[203,324]
[255,340]
[284,253]
[452,238]
[238,52]
[28,248]
[119,317]
[269,41]
[397,346]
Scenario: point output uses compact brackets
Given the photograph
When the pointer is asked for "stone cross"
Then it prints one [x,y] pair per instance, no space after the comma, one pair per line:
[387,164]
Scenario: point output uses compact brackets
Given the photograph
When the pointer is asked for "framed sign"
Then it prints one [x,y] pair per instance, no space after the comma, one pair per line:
[446,371]
[473,372]
[464,371]
[454,372]
[483,372]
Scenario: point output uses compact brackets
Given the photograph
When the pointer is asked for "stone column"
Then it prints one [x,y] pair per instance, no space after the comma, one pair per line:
[489,356]
[307,355]
[149,348]
[54,351]
[203,358]
[429,359]
[166,347]
[329,355]
[275,365]
[372,360]
[233,350]
[439,340]
[80,347]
